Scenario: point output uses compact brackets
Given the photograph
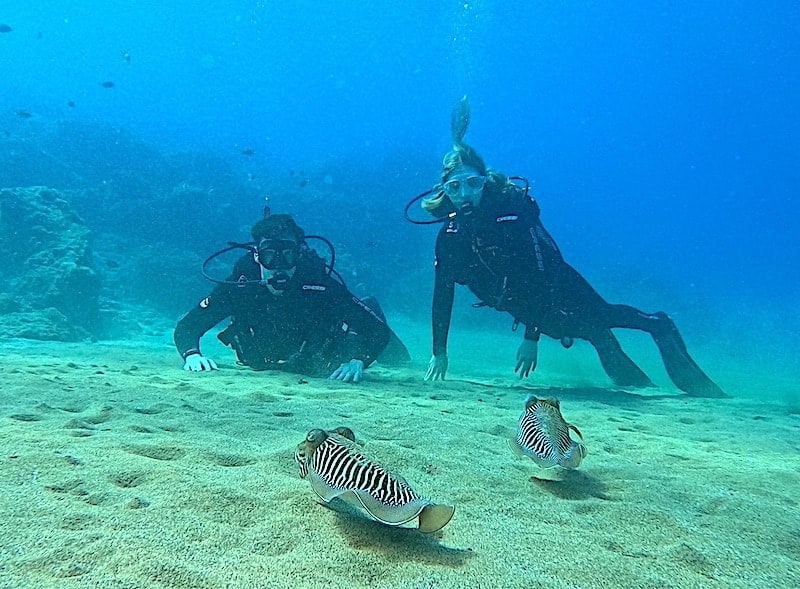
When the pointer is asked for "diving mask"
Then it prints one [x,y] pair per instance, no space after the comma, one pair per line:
[465,188]
[278,254]
[472,183]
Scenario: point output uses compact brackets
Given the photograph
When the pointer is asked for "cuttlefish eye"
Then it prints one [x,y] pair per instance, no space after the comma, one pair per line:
[316,436]
[345,432]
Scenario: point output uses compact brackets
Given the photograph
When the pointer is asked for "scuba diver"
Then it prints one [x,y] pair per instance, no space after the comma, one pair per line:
[493,241]
[288,312]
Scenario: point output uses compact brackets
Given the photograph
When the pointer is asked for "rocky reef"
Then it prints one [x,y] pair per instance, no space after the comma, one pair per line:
[103,235]
[50,289]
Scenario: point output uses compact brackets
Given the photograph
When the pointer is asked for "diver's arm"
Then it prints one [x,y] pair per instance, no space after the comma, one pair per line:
[443,295]
[532,333]
[368,334]
[205,315]
[443,291]
[359,333]
[215,307]
[442,310]
[528,352]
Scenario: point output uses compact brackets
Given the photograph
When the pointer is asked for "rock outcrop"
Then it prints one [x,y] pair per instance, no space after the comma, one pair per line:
[49,288]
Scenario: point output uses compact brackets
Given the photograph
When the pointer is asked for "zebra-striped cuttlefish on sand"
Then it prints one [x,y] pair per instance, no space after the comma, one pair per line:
[543,435]
[335,467]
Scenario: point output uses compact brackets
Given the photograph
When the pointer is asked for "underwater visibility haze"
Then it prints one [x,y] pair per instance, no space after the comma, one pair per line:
[661,142]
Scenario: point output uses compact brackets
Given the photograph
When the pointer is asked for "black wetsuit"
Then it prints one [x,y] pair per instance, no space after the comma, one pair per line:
[311,328]
[506,257]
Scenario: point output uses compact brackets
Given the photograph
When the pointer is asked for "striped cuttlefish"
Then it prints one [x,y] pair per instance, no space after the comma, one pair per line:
[335,467]
[543,435]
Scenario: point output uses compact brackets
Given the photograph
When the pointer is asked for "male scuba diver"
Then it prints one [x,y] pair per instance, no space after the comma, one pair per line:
[493,241]
[288,313]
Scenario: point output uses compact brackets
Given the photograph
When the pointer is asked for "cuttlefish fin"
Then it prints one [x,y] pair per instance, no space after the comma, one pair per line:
[544,463]
[434,517]
[325,492]
[515,449]
[391,515]
[573,458]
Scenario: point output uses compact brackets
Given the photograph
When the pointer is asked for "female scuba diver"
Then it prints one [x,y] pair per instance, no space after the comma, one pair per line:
[493,241]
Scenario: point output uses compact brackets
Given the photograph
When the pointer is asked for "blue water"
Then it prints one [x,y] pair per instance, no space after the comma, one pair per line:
[661,138]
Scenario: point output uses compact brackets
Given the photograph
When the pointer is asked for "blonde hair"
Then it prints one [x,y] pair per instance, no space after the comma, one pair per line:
[432,203]
[438,204]
[461,155]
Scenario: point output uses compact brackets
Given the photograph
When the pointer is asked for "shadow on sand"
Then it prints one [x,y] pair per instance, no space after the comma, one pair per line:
[394,543]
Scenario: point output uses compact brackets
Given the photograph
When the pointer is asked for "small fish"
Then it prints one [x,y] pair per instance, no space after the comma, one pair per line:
[248,151]
[107,84]
[23,114]
[4,28]
[335,467]
[543,435]
[71,104]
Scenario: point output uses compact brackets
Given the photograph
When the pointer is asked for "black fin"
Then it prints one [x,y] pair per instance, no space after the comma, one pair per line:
[681,367]
[622,370]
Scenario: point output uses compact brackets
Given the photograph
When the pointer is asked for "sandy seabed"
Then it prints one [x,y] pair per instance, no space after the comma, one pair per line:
[119,469]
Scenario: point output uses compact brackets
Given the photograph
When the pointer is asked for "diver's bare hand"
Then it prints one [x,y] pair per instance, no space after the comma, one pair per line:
[199,363]
[349,371]
[527,357]
[437,367]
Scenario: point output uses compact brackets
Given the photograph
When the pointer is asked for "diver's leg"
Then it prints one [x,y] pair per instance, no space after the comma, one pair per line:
[680,366]
[586,314]
[622,370]
[590,309]
[395,351]
[578,311]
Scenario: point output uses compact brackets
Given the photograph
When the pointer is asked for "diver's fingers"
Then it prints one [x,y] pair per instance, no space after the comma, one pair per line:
[434,374]
[429,375]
